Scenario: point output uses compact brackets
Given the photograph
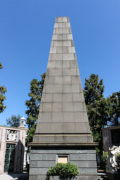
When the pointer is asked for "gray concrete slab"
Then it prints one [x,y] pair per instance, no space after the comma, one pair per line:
[12,176]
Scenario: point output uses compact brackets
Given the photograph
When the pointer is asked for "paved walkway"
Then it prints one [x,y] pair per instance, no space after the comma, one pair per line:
[14,176]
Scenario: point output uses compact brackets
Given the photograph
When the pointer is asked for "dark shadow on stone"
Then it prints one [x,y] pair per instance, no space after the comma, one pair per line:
[22,176]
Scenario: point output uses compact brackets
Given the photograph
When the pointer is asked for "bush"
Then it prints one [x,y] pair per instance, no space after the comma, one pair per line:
[67,170]
[104,160]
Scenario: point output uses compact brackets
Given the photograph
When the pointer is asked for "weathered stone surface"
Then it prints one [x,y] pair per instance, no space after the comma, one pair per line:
[62,108]
[62,117]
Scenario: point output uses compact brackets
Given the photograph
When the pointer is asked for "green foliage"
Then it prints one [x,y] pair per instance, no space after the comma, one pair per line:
[104,160]
[118,158]
[13,121]
[2,97]
[36,88]
[67,170]
[96,107]
[1,65]
[114,108]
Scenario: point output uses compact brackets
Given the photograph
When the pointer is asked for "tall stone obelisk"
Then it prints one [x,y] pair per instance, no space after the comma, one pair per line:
[63,132]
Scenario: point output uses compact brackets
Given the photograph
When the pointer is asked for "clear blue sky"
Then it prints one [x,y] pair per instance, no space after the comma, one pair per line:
[26,28]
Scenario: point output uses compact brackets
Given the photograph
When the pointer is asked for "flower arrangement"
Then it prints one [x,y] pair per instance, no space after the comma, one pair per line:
[115,157]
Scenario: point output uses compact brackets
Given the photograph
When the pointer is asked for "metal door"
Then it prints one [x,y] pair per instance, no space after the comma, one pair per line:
[9,158]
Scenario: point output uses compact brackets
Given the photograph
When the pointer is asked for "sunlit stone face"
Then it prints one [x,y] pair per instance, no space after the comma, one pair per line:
[62,159]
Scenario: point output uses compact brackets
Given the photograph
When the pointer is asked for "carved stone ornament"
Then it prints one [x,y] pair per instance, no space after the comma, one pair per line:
[12,135]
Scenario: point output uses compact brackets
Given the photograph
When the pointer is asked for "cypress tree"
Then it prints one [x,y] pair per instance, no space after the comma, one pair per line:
[36,88]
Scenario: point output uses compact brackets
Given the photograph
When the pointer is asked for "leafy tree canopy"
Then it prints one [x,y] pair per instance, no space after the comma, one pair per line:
[96,107]
[2,97]
[114,108]
[32,104]
[14,121]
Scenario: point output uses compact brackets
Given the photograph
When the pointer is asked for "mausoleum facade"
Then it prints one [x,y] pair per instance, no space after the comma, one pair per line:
[12,149]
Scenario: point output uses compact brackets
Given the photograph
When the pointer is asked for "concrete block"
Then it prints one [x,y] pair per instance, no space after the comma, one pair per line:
[75,88]
[73,64]
[53,49]
[60,19]
[56,127]
[44,157]
[68,57]
[93,177]
[49,80]
[78,97]
[56,57]
[69,72]
[33,177]
[52,44]
[89,139]
[45,117]
[58,80]
[57,43]
[59,49]
[63,25]
[76,80]
[82,157]
[68,107]
[56,25]
[67,97]
[67,88]
[77,72]
[36,171]
[58,64]
[66,64]
[57,117]
[66,80]
[72,43]
[67,43]
[58,31]
[80,88]
[89,164]
[78,150]
[66,31]
[54,72]
[65,19]
[57,107]
[71,49]
[41,126]
[53,88]
[69,37]
[69,127]
[70,88]
[42,164]
[80,117]
[48,97]
[88,171]
[78,106]
[61,37]
[68,116]
[58,178]
[64,49]
[80,127]
[45,107]
[57,97]
[51,64]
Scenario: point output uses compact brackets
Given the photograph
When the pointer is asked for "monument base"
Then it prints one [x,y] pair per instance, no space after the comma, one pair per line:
[43,157]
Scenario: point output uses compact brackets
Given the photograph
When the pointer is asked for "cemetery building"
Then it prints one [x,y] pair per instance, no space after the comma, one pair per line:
[12,148]
[62,133]
[111,137]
